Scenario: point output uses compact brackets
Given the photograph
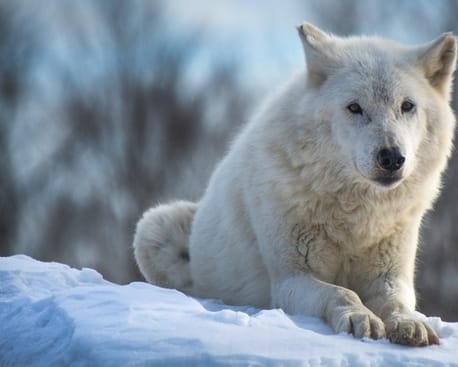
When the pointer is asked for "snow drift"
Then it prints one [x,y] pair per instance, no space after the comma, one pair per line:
[53,315]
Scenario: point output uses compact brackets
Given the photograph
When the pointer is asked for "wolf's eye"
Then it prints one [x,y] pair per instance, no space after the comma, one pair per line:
[407,106]
[355,108]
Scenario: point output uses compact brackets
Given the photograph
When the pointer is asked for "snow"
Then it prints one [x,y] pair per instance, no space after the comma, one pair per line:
[53,315]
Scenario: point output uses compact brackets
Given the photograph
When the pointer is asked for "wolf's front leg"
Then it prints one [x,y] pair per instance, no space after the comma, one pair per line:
[392,303]
[385,285]
[340,307]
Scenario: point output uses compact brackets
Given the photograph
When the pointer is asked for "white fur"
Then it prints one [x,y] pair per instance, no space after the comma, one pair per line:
[161,245]
[295,217]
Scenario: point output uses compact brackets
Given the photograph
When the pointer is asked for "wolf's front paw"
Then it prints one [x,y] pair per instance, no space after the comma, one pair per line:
[408,330]
[360,322]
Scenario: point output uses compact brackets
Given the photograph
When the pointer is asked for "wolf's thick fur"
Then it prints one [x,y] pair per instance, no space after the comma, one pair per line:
[317,206]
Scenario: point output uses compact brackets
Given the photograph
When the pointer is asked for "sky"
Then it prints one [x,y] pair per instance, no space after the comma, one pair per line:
[261,35]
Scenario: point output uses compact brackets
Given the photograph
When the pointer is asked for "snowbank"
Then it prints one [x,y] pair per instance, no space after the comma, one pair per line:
[53,315]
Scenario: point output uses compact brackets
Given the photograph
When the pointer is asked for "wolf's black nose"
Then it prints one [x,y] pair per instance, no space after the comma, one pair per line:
[390,159]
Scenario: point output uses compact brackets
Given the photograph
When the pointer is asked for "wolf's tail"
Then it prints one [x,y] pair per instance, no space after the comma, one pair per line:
[161,245]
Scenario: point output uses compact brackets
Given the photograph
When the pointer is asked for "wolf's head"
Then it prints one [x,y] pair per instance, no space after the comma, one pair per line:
[385,103]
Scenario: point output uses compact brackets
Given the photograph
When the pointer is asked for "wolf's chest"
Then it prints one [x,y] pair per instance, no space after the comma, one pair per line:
[331,241]
[350,223]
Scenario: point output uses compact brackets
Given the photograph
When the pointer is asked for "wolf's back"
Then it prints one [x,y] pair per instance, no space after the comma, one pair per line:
[161,245]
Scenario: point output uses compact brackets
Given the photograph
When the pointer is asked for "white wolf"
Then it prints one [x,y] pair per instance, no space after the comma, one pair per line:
[317,206]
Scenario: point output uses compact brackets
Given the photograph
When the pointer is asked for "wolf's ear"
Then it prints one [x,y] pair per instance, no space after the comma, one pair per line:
[318,47]
[438,60]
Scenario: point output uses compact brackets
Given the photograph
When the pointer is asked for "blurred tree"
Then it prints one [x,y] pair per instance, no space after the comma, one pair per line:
[133,134]
[438,265]
[15,62]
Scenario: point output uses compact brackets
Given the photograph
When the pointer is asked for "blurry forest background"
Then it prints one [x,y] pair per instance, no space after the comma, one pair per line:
[109,107]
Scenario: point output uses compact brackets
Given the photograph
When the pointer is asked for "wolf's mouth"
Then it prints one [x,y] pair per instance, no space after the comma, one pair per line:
[387,181]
